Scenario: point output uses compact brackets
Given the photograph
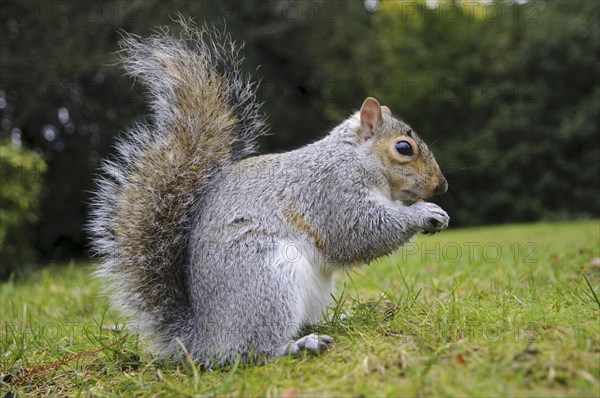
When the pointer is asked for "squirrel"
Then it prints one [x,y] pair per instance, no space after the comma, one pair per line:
[221,256]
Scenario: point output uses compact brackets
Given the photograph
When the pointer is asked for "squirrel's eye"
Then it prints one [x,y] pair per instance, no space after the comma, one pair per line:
[404,148]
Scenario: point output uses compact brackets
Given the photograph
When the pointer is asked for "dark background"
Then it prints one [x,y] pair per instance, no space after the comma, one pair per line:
[506,93]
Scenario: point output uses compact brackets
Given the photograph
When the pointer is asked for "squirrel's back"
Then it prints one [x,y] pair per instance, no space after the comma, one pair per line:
[204,117]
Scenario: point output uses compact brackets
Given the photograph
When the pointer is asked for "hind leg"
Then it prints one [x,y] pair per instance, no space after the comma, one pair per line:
[312,343]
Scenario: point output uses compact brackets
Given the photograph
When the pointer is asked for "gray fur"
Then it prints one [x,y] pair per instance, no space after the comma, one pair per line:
[240,286]
[239,292]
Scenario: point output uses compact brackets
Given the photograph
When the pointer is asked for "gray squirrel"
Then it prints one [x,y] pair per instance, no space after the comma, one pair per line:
[220,255]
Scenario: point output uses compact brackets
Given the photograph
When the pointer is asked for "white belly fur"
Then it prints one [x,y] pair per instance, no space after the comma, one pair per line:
[314,286]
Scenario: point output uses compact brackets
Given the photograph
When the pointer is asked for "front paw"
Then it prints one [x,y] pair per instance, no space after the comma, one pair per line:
[432,218]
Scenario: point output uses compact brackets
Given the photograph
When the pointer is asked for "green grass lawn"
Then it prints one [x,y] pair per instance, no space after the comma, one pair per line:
[495,311]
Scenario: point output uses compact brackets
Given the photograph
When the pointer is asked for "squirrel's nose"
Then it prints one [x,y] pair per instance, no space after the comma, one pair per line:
[441,187]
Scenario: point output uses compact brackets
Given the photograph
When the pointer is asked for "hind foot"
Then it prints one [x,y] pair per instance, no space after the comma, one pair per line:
[312,343]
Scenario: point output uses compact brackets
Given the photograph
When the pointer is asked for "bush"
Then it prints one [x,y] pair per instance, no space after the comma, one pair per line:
[21,173]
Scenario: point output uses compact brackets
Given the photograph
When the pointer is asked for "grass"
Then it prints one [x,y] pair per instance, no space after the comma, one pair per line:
[496,311]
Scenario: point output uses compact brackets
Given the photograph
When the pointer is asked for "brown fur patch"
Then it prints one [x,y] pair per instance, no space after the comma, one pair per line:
[419,173]
[301,223]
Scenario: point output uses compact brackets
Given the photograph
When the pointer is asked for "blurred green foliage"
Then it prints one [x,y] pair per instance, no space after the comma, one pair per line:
[506,93]
[21,172]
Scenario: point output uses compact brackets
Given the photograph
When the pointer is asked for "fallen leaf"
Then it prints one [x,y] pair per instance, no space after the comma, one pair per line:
[460,360]
[289,393]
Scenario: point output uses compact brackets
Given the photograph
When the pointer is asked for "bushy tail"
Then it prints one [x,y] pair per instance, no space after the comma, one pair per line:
[204,116]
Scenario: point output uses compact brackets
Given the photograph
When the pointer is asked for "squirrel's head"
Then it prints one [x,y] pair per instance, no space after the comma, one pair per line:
[408,164]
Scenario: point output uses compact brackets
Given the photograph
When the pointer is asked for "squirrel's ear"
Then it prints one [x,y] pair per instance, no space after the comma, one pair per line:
[386,110]
[370,117]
